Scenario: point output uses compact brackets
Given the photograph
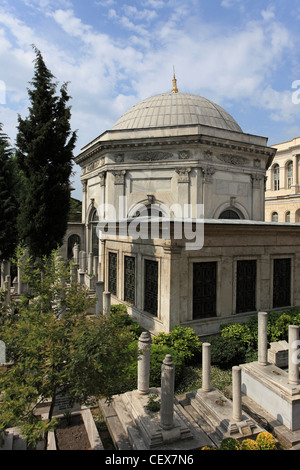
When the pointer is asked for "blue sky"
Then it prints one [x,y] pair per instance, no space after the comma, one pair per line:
[243,55]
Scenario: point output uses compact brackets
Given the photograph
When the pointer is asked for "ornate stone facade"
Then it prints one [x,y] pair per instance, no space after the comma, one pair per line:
[178,152]
[282,187]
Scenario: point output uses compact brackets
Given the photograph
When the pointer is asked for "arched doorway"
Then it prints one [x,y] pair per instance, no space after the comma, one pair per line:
[94,240]
[71,242]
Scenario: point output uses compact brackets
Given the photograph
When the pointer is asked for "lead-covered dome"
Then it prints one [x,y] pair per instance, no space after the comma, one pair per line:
[176,109]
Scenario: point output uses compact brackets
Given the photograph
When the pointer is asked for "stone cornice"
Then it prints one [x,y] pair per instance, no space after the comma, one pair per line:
[99,148]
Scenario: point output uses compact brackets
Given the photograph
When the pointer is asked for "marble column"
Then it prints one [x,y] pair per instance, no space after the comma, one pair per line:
[90,264]
[106,302]
[293,355]
[144,346]
[206,360]
[236,393]
[262,338]
[167,393]
[99,295]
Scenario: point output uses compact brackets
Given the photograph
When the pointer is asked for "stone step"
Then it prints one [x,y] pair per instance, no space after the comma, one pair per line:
[12,440]
[19,443]
[118,435]
[7,442]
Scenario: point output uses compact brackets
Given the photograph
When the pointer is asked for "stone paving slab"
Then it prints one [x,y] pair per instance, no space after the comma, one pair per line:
[291,438]
[129,433]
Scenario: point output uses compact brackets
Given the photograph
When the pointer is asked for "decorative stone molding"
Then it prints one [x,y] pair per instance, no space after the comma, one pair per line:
[119,176]
[119,158]
[233,159]
[183,174]
[207,154]
[152,156]
[150,198]
[184,155]
[84,186]
[256,163]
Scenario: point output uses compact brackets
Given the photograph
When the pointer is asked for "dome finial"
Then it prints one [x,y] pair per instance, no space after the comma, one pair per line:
[174,89]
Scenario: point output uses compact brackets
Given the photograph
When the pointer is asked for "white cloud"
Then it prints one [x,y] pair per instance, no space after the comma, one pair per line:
[268,14]
[108,73]
[230,3]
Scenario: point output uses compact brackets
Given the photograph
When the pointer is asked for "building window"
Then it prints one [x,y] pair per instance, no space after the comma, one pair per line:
[229,214]
[112,272]
[276,177]
[246,286]
[288,217]
[151,287]
[274,217]
[282,282]
[204,289]
[129,279]
[289,175]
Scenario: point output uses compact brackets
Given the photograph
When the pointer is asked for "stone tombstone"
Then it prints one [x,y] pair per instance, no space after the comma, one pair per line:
[278,354]
[64,405]
[2,352]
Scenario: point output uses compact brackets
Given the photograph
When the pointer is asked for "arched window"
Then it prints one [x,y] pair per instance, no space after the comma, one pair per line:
[93,229]
[288,217]
[289,169]
[149,210]
[276,177]
[275,217]
[229,214]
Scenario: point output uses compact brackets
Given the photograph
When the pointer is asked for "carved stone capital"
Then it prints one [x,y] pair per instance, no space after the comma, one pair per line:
[256,180]
[84,186]
[183,174]
[208,173]
[119,176]
[102,178]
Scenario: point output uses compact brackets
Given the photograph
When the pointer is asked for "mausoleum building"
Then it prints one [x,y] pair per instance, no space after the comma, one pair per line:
[173,212]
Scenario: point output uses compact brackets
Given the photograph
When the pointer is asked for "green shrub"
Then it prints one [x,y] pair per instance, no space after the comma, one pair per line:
[239,332]
[226,352]
[266,441]
[153,403]
[121,318]
[249,444]
[183,340]
[230,444]
[158,354]
[295,316]
[279,328]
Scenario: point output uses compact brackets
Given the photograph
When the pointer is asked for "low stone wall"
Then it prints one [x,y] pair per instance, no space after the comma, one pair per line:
[91,429]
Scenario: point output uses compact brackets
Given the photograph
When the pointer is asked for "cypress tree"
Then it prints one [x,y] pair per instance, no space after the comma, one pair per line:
[45,145]
[8,199]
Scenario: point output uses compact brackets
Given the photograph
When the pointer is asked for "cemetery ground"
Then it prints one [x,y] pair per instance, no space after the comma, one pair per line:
[235,344]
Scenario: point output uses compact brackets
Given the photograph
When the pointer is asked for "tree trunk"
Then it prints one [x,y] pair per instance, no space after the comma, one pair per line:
[49,419]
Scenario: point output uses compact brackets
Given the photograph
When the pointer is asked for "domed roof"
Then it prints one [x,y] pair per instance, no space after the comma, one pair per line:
[176,109]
